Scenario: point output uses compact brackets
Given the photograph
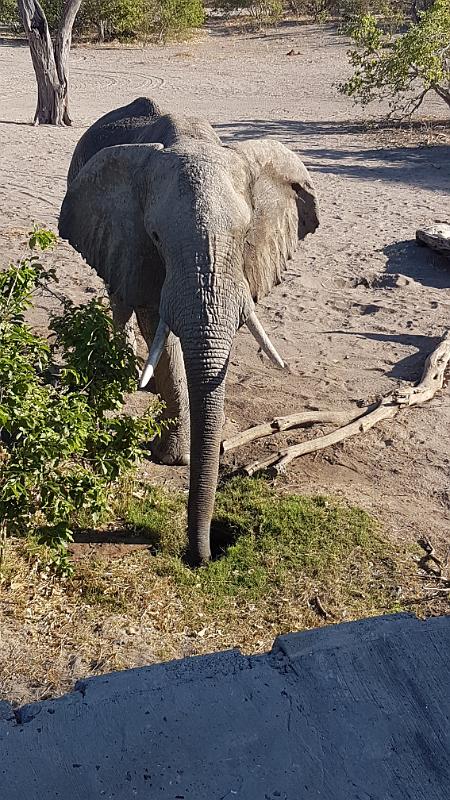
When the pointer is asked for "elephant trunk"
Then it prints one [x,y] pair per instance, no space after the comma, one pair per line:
[204,310]
[206,368]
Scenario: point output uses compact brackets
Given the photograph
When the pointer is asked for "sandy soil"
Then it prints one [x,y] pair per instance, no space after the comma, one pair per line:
[348,327]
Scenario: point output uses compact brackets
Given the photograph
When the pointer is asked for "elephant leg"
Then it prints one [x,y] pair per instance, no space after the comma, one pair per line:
[123,319]
[172,447]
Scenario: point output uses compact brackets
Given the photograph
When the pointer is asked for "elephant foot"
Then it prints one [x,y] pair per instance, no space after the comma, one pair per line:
[171,449]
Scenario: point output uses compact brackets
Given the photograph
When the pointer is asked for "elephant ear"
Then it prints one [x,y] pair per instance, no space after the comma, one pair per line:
[102,216]
[285,209]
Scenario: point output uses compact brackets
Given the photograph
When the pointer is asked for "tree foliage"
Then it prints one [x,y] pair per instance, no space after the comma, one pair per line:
[401,67]
[110,18]
[160,19]
[8,12]
[63,444]
[166,19]
[260,12]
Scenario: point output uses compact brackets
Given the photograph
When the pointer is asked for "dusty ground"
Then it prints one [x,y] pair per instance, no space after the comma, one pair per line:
[347,326]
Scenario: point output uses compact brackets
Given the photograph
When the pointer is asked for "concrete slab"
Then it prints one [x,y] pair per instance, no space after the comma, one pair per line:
[349,712]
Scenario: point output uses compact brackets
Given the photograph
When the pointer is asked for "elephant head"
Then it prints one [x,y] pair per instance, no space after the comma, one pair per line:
[200,231]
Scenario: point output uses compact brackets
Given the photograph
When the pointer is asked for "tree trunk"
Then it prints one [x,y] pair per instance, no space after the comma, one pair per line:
[50,59]
[101,27]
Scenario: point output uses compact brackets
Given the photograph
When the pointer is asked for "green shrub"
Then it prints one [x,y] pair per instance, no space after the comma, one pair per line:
[110,18]
[387,10]
[160,19]
[62,444]
[402,68]
[166,19]
[260,12]
[8,12]
[265,12]
[317,9]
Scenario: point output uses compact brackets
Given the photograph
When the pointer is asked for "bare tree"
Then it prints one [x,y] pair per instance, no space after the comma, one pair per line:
[50,59]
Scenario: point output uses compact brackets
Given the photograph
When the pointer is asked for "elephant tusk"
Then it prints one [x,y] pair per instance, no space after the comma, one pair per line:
[155,353]
[255,327]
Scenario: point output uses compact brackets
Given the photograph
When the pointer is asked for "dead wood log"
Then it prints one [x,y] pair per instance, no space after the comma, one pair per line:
[432,379]
[435,236]
[287,423]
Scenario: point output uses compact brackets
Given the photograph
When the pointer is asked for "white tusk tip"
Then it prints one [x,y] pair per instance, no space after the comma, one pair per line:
[147,375]
[154,354]
[255,327]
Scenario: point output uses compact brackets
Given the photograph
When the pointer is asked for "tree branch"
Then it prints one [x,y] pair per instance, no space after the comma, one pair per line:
[416,103]
[287,423]
[432,380]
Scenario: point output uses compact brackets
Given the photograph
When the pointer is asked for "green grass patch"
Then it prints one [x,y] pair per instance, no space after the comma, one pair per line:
[264,543]
[159,515]
[276,535]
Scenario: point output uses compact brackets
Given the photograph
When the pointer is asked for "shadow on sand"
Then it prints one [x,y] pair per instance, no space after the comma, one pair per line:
[427,167]
[408,368]
[422,264]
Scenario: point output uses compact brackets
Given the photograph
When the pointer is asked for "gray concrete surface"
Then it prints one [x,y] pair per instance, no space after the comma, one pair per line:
[349,712]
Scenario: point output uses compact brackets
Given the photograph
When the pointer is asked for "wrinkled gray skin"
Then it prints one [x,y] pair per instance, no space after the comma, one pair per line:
[192,233]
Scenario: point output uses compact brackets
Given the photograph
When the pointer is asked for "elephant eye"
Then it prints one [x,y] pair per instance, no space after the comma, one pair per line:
[155,236]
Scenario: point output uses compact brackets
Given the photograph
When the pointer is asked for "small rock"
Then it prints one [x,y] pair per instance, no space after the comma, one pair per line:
[402,280]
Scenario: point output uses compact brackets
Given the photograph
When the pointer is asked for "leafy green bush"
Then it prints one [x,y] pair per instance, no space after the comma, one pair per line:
[402,68]
[61,447]
[161,19]
[387,10]
[111,18]
[266,12]
[319,10]
[166,19]
[8,12]
[259,12]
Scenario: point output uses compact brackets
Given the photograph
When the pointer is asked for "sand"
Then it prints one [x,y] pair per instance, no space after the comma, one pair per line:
[349,327]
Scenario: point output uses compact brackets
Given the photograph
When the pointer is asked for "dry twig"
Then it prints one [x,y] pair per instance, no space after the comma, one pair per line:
[430,562]
[316,604]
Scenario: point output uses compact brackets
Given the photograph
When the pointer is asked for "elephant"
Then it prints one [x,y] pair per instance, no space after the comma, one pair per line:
[188,233]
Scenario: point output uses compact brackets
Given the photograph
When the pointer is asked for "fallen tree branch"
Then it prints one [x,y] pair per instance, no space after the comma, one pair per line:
[438,590]
[387,408]
[287,423]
